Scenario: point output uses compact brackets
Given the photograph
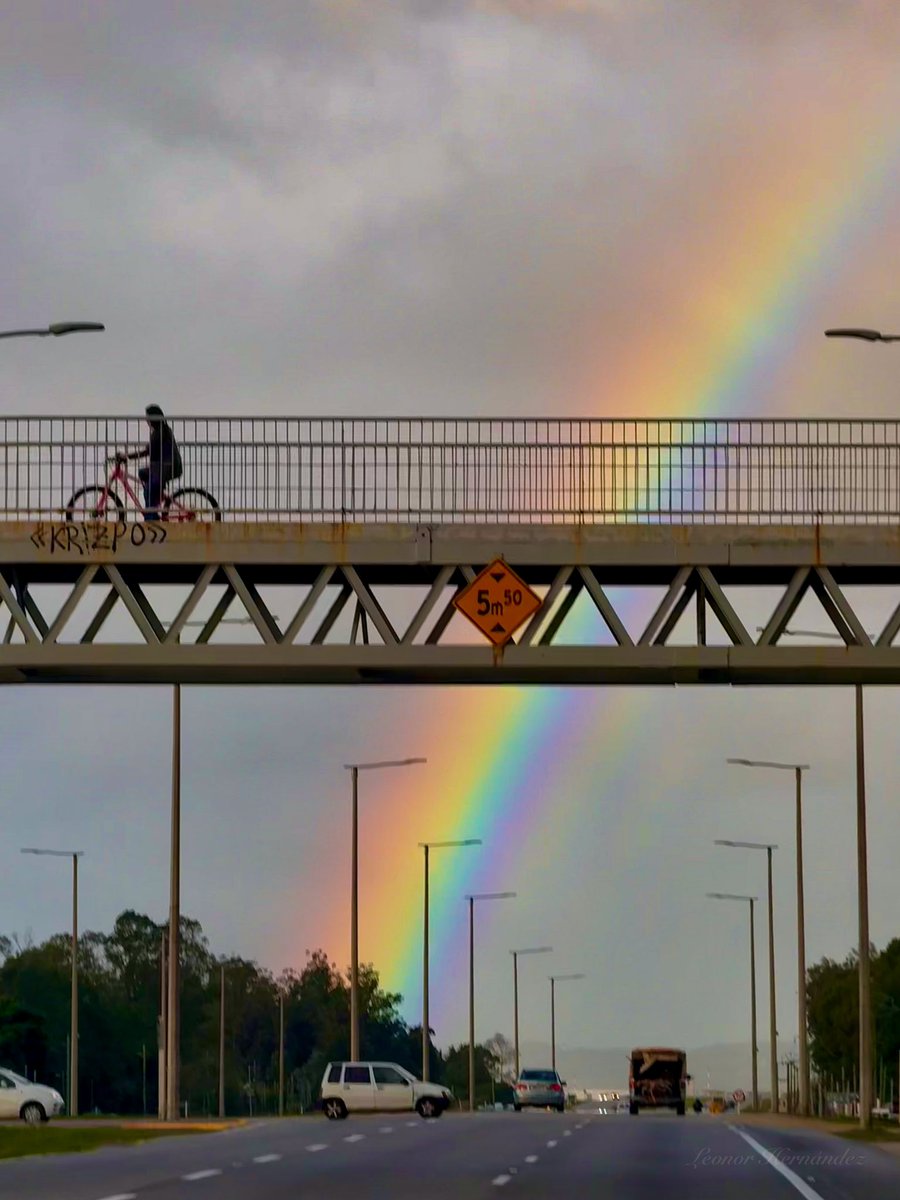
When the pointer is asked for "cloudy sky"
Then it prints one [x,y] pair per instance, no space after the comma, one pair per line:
[585,207]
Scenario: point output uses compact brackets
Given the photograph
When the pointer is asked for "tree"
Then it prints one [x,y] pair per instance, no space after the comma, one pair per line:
[456,1072]
[503,1054]
[119,996]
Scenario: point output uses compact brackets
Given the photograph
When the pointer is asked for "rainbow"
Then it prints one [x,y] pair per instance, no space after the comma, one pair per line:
[501,757]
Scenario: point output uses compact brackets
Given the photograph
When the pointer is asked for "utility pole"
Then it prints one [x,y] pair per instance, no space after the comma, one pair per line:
[281,1052]
[161,1099]
[862,875]
[173,1023]
[222,1042]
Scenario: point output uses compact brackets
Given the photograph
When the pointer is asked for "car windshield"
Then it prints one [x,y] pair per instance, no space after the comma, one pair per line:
[18,1078]
[538,1077]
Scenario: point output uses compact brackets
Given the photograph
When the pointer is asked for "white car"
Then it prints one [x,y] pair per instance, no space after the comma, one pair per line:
[379,1087]
[33,1102]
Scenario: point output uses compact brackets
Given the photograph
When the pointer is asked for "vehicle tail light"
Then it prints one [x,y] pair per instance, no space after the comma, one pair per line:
[521,1087]
[554,1087]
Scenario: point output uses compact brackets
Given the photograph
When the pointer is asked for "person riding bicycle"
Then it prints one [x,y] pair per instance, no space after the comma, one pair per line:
[164,462]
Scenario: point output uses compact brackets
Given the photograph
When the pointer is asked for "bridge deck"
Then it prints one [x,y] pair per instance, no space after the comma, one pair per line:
[343,603]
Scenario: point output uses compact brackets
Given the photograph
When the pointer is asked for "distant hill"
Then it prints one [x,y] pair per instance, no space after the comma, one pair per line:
[722,1067]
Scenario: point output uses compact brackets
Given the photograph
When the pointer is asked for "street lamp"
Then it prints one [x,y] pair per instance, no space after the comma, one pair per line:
[866,335]
[60,329]
[752,901]
[515,957]
[866,1065]
[426,1027]
[554,980]
[354,769]
[773,1025]
[471,899]
[798,769]
[73,1048]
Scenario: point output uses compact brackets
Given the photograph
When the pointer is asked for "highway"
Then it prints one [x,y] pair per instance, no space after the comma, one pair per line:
[580,1155]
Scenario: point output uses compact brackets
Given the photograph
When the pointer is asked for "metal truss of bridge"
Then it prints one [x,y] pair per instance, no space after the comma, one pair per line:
[331,603]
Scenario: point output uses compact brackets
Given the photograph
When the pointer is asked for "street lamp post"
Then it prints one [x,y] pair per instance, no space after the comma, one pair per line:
[426,1027]
[471,899]
[72,1105]
[173,1014]
[753,1044]
[515,957]
[222,1042]
[354,769]
[554,980]
[281,1052]
[60,329]
[773,1024]
[866,1065]
[797,769]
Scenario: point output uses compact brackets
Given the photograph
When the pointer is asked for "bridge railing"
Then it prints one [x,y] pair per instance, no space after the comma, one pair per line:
[476,470]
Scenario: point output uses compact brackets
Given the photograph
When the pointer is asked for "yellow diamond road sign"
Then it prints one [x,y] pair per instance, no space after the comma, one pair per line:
[498,601]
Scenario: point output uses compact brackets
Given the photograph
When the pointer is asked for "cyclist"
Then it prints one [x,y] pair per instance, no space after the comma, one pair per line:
[164,461]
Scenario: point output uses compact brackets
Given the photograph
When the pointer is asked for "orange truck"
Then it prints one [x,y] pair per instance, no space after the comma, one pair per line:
[657,1079]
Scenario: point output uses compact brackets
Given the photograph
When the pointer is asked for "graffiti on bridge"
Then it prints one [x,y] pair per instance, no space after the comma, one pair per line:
[85,537]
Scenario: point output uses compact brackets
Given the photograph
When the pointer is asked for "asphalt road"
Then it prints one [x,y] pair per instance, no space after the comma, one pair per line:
[581,1155]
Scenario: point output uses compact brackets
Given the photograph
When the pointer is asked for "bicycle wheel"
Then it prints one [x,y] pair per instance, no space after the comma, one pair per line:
[191,504]
[95,504]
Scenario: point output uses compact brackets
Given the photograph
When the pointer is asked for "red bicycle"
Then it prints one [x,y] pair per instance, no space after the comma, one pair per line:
[103,503]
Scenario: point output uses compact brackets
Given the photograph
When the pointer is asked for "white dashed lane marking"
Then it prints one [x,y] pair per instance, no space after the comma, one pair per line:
[412,1124]
[550,1145]
[531,1158]
[317,1146]
[265,1158]
[122,1196]
[501,1180]
[355,1137]
[794,1180]
[567,1133]
[386,1129]
[207,1174]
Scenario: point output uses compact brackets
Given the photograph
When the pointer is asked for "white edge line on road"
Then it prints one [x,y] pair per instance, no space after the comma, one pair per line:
[803,1188]
[501,1180]
[354,1137]
[315,1146]
[122,1196]
[550,1145]
[531,1158]
[266,1158]
[412,1124]
[207,1174]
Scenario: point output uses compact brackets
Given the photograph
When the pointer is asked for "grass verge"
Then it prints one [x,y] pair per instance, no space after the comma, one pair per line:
[17,1141]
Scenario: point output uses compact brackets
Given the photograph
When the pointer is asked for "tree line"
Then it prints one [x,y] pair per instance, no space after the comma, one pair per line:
[119,1001]
[832,992]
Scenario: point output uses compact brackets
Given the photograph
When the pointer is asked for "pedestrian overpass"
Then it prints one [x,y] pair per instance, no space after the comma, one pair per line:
[344,543]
